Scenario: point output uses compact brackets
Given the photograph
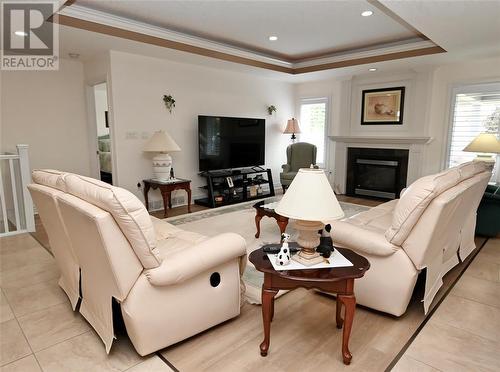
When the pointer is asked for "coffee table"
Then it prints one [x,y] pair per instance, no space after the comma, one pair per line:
[339,280]
[269,212]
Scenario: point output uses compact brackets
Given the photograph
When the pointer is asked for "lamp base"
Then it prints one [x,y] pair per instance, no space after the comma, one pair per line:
[162,163]
[308,239]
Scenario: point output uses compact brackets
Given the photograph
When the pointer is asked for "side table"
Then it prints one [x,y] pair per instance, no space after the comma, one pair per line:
[166,189]
[338,280]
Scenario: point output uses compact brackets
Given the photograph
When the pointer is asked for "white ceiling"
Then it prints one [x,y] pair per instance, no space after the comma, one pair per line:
[468,30]
[470,26]
[304,28]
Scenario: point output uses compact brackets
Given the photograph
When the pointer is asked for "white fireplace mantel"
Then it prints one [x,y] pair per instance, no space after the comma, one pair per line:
[415,144]
[382,139]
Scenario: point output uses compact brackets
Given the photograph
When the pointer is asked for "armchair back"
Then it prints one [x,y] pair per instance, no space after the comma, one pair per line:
[300,155]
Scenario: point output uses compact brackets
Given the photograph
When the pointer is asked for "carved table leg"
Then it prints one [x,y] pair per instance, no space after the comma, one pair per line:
[339,319]
[267,310]
[165,203]
[189,199]
[349,302]
[170,199]
[258,217]
[282,223]
[146,199]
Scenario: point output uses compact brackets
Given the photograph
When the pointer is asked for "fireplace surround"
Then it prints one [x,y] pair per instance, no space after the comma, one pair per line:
[376,172]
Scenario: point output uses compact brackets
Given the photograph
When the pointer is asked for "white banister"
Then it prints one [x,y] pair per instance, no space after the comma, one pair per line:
[4,208]
[24,222]
[14,192]
[24,164]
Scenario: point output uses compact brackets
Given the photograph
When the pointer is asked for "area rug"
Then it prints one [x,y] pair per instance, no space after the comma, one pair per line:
[241,219]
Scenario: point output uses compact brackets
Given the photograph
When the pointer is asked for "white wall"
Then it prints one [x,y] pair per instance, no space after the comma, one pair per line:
[47,111]
[137,86]
[426,110]
[445,79]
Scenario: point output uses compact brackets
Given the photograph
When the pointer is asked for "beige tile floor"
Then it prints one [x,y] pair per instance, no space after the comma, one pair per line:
[40,332]
[464,332]
[38,329]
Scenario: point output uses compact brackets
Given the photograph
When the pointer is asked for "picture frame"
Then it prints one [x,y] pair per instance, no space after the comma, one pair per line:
[382,106]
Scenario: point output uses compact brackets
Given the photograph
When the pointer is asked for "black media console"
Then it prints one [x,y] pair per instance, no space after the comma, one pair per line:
[227,187]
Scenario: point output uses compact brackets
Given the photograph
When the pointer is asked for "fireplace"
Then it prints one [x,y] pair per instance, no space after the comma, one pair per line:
[375,172]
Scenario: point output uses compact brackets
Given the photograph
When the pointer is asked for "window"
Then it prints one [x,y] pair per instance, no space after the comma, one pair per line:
[476,109]
[313,118]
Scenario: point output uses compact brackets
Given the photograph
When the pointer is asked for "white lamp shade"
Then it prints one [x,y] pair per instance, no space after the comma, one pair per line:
[161,142]
[292,126]
[310,198]
[485,142]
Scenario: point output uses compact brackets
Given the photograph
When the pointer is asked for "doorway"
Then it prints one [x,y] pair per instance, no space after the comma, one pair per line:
[103,133]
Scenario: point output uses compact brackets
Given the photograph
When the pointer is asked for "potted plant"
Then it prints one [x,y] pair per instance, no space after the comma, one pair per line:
[271,109]
[169,102]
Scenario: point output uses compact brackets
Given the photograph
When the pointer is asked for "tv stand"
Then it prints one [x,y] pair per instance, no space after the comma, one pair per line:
[246,184]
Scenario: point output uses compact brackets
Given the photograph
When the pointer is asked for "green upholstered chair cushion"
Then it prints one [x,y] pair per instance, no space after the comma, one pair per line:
[299,155]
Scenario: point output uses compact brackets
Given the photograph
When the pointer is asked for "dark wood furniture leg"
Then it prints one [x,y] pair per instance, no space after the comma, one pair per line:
[164,196]
[282,223]
[349,302]
[146,190]
[339,319]
[170,199]
[267,310]
[258,217]
[188,189]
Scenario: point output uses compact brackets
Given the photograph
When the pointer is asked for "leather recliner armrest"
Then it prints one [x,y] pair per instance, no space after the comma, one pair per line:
[190,262]
[360,239]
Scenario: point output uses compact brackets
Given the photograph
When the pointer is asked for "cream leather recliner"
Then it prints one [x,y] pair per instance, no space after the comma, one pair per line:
[171,284]
[430,227]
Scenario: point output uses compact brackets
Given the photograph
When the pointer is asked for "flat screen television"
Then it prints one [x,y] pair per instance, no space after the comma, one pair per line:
[226,142]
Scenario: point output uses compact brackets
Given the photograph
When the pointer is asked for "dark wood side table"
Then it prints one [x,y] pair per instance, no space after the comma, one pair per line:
[261,212]
[339,280]
[166,189]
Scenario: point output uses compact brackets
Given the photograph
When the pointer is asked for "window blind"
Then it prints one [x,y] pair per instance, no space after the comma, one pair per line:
[313,116]
[472,114]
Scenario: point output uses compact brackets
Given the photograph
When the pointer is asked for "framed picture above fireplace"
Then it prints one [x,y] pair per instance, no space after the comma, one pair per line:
[382,106]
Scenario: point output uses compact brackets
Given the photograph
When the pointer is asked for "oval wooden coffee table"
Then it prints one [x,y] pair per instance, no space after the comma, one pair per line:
[339,280]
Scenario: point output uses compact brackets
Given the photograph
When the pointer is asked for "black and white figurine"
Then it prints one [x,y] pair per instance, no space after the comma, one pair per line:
[325,247]
[283,257]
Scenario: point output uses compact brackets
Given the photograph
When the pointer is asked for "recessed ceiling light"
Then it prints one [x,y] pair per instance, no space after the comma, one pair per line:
[273,38]
[367,13]
[21,33]
[372,69]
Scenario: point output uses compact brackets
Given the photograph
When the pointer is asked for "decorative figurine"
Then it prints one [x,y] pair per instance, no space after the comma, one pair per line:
[283,257]
[325,247]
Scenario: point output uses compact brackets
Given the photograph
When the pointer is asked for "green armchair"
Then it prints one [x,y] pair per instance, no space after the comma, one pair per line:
[298,155]
[488,213]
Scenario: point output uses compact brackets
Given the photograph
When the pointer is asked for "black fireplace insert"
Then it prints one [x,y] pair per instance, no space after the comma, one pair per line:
[376,172]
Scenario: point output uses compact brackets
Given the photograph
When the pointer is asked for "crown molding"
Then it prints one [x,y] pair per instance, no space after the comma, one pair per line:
[95,16]
[78,16]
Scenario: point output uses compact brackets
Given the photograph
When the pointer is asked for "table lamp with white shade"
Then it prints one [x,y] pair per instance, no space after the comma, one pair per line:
[292,127]
[309,200]
[486,144]
[161,143]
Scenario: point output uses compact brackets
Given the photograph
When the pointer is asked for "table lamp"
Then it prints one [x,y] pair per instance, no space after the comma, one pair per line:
[486,144]
[292,127]
[161,143]
[309,200]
